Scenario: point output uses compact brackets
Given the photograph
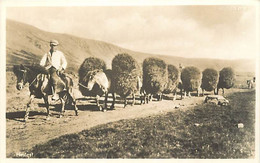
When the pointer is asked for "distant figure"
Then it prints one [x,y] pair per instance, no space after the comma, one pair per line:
[179,86]
[251,83]
[180,67]
[55,63]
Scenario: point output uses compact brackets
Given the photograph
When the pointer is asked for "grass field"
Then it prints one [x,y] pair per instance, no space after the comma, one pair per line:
[205,131]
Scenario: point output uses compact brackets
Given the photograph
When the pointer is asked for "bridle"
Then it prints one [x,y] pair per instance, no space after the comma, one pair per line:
[91,76]
[24,81]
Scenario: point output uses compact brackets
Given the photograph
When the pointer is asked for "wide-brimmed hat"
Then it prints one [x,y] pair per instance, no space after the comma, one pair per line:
[54,42]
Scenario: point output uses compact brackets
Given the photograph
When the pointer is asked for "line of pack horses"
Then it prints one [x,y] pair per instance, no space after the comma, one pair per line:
[98,83]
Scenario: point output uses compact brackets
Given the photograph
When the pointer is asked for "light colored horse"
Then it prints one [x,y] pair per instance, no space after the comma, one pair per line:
[99,83]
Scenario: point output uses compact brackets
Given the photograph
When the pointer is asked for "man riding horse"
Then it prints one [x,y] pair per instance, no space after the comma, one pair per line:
[55,63]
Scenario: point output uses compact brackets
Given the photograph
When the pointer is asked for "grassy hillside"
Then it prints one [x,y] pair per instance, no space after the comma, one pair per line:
[27,44]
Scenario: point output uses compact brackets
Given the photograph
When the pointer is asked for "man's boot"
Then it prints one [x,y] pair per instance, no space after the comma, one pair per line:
[55,96]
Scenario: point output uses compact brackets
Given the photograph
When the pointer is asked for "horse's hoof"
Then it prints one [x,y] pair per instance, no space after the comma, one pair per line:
[100,108]
[60,116]
[47,118]
[104,110]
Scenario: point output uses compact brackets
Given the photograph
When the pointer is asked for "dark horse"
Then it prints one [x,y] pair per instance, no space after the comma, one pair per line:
[39,87]
[98,83]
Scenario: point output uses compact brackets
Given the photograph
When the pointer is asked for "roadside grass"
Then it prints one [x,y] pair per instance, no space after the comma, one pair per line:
[205,131]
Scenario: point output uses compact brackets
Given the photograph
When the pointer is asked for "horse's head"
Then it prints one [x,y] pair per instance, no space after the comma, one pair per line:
[20,72]
[91,79]
[97,77]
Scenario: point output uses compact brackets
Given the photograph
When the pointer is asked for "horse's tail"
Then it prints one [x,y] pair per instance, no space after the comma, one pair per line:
[139,83]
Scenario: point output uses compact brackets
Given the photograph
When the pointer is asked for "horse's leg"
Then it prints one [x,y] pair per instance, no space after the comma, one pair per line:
[189,95]
[141,99]
[158,97]
[147,98]
[62,107]
[27,109]
[202,92]
[223,93]
[113,102]
[105,102]
[133,99]
[45,98]
[181,93]
[97,101]
[125,102]
[150,97]
[174,96]
[74,103]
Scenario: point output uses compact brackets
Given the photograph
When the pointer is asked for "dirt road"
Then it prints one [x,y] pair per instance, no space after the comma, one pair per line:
[21,136]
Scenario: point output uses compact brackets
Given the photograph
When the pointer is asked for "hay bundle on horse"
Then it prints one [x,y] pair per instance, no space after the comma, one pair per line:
[95,81]
[126,77]
[173,81]
[40,87]
[155,76]
[210,79]
[226,79]
[191,80]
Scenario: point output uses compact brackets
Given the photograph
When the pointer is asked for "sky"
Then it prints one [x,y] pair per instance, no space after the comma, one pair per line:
[195,31]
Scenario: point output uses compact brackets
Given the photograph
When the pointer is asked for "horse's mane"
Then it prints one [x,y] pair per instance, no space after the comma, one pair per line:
[91,74]
[31,68]
[37,69]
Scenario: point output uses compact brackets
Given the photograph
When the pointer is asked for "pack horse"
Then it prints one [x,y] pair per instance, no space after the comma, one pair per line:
[39,87]
[98,83]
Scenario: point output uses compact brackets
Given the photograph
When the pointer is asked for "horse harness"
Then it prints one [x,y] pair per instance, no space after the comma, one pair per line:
[103,88]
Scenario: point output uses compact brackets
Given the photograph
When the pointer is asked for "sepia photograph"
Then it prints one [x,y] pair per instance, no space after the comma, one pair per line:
[130,81]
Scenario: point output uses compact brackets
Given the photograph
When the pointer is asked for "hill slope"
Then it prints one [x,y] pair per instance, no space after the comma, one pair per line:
[27,44]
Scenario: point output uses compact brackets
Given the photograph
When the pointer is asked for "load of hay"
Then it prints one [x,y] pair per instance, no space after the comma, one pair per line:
[125,72]
[155,75]
[89,64]
[226,78]
[191,78]
[173,74]
[209,79]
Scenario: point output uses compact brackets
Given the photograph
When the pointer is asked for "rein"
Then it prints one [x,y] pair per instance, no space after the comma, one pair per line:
[97,83]
[83,85]
[33,81]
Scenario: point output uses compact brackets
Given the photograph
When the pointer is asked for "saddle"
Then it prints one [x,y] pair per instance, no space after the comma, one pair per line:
[64,83]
